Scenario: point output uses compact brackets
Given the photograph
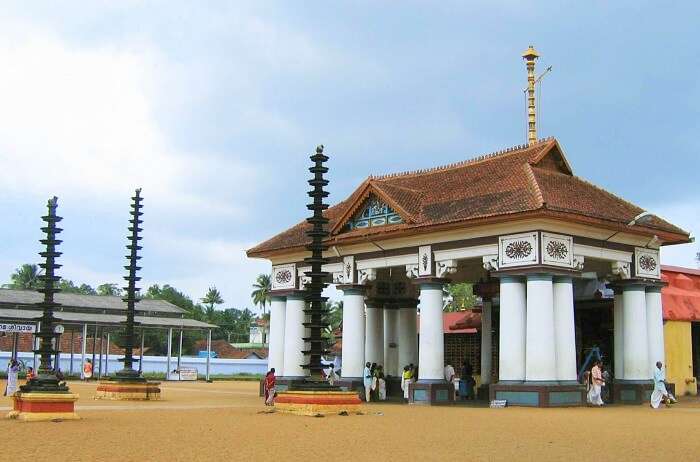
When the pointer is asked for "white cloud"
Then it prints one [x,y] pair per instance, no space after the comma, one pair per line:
[685,214]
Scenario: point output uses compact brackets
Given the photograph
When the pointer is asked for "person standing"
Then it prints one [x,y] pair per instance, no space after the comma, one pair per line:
[660,394]
[381,383]
[269,387]
[331,376]
[12,371]
[466,381]
[87,370]
[596,384]
[30,373]
[367,381]
[406,379]
[450,377]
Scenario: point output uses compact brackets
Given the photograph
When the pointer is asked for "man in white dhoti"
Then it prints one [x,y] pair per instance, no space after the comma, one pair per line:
[450,377]
[12,371]
[660,394]
[595,385]
[367,381]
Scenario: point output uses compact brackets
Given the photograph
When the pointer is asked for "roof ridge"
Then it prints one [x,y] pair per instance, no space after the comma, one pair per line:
[533,182]
[462,163]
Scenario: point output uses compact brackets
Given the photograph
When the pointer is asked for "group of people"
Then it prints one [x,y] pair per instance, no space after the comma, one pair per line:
[464,384]
[597,378]
[13,369]
[374,382]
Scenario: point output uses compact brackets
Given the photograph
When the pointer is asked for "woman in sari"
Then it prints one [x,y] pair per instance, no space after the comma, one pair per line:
[269,387]
[596,384]
[12,371]
[381,383]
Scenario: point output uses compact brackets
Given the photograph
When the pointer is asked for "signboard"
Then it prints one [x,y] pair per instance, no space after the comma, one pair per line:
[188,373]
[19,328]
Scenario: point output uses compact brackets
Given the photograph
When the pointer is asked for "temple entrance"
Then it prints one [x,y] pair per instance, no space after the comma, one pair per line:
[594,328]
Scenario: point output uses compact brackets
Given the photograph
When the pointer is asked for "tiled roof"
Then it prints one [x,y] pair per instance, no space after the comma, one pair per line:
[517,180]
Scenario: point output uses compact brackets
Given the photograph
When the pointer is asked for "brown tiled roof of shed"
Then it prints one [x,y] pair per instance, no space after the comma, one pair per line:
[514,181]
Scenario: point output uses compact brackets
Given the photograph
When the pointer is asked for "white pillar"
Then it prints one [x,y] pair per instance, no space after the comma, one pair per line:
[170,353]
[486,347]
[208,353]
[374,339]
[655,327]
[408,337]
[106,356]
[275,356]
[618,335]
[431,351]
[83,347]
[564,329]
[540,356]
[353,332]
[294,332]
[511,337]
[636,345]
[391,340]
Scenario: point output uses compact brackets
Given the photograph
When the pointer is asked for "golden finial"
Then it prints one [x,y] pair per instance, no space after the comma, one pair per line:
[530,55]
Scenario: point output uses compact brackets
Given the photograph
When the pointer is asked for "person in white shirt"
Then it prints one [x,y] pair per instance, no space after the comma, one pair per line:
[450,377]
[660,394]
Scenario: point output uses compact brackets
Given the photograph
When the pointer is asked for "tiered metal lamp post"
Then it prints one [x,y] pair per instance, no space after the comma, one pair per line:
[128,383]
[314,396]
[45,397]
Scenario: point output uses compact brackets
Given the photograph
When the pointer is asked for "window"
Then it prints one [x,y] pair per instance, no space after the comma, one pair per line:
[374,213]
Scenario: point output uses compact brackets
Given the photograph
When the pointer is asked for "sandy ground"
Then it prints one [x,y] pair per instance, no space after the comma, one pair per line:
[222,421]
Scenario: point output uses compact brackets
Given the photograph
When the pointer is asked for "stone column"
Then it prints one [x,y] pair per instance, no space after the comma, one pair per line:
[540,356]
[618,335]
[374,338]
[294,332]
[391,341]
[275,357]
[655,327]
[511,338]
[431,351]
[353,331]
[635,344]
[486,350]
[564,329]
[408,336]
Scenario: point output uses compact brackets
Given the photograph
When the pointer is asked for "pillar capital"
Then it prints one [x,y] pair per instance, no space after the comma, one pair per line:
[286,293]
[374,303]
[562,279]
[430,282]
[352,289]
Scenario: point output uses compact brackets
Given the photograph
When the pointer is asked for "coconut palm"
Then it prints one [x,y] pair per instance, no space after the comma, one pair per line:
[25,277]
[261,294]
[211,298]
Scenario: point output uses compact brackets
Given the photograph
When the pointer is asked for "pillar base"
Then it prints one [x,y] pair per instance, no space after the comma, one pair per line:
[482,393]
[353,384]
[437,392]
[43,407]
[128,390]
[535,394]
[312,403]
[632,391]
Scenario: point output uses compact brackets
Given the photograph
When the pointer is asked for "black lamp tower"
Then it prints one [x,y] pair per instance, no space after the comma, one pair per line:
[128,372]
[315,302]
[46,380]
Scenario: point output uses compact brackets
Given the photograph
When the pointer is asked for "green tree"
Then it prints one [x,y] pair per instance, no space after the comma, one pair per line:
[212,298]
[261,294]
[460,296]
[109,289]
[67,286]
[25,277]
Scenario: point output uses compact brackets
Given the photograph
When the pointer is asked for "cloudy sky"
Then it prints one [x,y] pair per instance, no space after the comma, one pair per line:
[213,107]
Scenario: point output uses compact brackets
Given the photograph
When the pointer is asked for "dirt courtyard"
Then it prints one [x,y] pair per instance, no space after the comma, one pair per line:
[222,421]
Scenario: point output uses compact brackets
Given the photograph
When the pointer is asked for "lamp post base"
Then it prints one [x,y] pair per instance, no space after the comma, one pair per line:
[43,407]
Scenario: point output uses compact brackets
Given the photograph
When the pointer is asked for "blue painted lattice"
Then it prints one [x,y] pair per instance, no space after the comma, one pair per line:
[374,213]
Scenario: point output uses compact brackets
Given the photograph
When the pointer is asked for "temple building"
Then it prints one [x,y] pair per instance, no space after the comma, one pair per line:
[527,231]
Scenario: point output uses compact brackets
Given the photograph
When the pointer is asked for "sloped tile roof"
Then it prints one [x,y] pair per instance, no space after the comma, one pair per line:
[516,180]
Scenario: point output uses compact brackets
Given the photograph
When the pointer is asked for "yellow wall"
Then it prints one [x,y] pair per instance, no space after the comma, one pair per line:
[679,356]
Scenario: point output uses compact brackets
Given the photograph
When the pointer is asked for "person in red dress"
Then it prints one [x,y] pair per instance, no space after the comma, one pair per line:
[269,387]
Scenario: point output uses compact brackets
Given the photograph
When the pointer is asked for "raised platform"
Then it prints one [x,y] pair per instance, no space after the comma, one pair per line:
[312,403]
[438,392]
[539,394]
[632,392]
[43,406]
[128,390]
